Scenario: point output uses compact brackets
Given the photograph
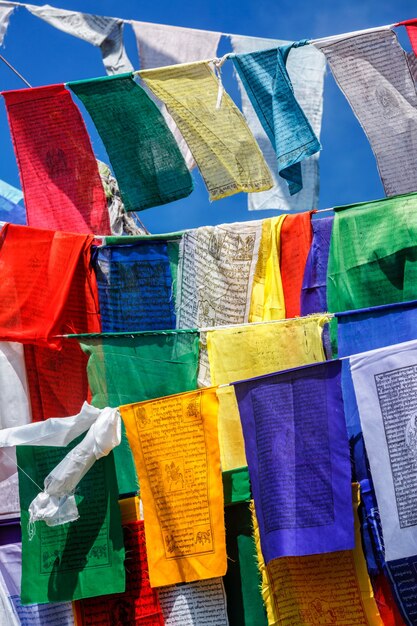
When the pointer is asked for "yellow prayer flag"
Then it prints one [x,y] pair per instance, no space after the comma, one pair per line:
[175,447]
[331,588]
[254,350]
[219,138]
[267,298]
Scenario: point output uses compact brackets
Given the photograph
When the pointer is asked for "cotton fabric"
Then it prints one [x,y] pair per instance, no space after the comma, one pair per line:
[296,238]
[40,271]
[135,286]
[246,351]
[142,150]
[160,45]
[59,173]
[267,298]
[225,151]
[265,78]
[306,67]
[298,457]
[179,433]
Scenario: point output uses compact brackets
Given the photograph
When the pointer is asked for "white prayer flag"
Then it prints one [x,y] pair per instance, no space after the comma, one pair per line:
[385,382]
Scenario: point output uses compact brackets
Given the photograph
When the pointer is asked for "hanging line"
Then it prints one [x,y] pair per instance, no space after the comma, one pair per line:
[9,65]
[21,468]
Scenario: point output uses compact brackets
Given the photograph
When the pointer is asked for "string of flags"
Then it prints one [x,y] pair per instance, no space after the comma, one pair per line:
[215,426]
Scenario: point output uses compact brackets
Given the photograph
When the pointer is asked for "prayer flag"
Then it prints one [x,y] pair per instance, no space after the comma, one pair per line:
[265,78]
[225,151]
[194,604]
[385,386]
[59,174]
[331,588]
[105,32]
[372,71]
[242,581]
[78,560]
[306,67]
[314,292]
[176,452]
[296,237]
[35,614]
[267,297]
[144,155]
[253,350]
[139,604]
[134,286]
[368,266]
[132,368]
[161,44]
[298,458]
[48,287]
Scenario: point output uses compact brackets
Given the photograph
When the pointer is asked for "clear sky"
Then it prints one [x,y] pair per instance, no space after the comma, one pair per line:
[347,166]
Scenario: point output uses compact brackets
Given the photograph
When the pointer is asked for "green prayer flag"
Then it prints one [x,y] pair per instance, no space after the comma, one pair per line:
[236,486]
[125,368]
[242,581]
[373,254]
[76,560]
[143,152]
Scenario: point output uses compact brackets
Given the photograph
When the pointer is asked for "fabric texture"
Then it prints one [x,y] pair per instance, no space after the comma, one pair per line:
[265,78]
[105,32]
[359,331]
[139,604]
[306,67]
[331,587]
[6,11]
[254,350]
[15,410]
[296,238]
[176,451]
[314,291]
[47,287]
[267,297]
[79,560]
[57,380]
[59,173]
[298,457]
[160,45]
[125,368]
[367,265]
[121,222]
[388,426]
[144,155]
[135,286]
[242,581]
[372,71]
[225,151]
[17,614]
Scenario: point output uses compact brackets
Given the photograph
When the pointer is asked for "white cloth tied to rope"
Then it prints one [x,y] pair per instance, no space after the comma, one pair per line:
[56,504]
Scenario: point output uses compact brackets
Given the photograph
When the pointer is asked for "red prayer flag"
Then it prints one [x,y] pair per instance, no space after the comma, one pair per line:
[296,238]
[139,604]
[411,26]
[59,173]
[387,606]
[47,286]
[57,380]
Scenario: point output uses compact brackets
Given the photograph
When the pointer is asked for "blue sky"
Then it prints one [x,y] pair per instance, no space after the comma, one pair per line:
[348,171]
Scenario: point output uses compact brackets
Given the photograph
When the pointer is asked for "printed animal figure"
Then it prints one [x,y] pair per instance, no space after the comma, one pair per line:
[411,435]
[56,162]
[174,475]
[170,543]
[203,536]
[322,613]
